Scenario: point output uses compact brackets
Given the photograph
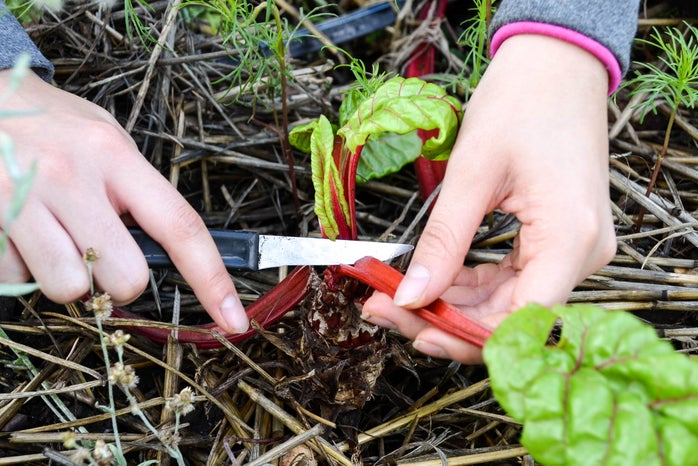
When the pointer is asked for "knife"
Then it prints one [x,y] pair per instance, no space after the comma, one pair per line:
[248,250]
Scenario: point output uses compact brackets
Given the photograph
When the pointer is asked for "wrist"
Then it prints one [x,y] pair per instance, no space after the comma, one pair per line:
[555,67]
[589,45]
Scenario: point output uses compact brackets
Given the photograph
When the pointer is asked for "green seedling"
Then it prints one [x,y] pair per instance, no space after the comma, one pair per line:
[474,39]
[256,37]
[674,81]
[134,23]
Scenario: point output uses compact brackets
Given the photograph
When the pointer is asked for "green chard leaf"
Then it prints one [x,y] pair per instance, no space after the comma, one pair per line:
[350,103]
[404,105]
[610,392]
[299,136]
[387,154]
[403,119]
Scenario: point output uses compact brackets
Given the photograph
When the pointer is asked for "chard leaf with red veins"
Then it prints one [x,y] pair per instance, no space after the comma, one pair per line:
[402,119]
[610,392]
[387,154]
[331,206]
[404,105]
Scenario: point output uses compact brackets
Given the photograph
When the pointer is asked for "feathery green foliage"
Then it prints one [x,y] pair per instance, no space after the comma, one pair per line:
[256,36]
[676,79]
[474,38]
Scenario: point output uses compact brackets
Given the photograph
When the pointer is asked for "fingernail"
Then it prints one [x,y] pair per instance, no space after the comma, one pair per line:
[429,349]
[234,314]
[385,323]
[412,286]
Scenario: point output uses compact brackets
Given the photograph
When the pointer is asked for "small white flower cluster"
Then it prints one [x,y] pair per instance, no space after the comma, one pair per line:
[100,454]
[182,403]
[100,304]
[117,339]
[124,376]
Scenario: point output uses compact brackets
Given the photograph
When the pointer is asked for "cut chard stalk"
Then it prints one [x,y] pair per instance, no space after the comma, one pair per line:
[386,279]
[267,310]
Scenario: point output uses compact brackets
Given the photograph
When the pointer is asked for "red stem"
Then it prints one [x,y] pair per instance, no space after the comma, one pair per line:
[266,310]
[429,172]
[386,279]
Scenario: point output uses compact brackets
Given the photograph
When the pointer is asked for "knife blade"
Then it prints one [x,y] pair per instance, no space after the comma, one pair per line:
[250,251]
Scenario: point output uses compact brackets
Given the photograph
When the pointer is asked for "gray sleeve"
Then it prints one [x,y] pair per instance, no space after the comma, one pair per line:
[612,23]
[15,41]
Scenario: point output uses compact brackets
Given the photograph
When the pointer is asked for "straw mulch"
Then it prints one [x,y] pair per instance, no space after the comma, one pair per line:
[263,399]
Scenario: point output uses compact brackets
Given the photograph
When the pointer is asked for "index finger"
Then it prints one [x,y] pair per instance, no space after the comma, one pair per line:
[169,219]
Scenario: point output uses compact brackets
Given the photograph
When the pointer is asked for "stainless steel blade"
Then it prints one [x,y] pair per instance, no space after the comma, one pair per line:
[275,251]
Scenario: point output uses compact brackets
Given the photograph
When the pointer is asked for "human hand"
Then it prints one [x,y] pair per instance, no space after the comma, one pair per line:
[91,176]
[533,143]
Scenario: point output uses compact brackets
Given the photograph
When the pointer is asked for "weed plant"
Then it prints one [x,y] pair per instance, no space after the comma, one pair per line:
[134,23]
[256,37]
[474,38]
[28,11]
[124,376]
[674,81]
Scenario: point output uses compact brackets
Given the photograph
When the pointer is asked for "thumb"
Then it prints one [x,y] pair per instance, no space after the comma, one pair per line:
[442,247]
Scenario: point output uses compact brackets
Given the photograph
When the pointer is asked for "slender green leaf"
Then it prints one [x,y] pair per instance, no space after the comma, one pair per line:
[610,392]
[17,289]
[676,81]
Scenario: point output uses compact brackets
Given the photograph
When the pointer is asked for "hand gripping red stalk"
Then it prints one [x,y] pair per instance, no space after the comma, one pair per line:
[440,314]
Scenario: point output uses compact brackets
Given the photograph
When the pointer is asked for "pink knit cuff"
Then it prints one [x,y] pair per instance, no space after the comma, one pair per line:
[573,37]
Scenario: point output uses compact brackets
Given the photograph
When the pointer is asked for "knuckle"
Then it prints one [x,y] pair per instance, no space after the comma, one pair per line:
[607,245]
[66,290]
[595,237]
[103,131]
[219,283]
[187,222]
[129,287]
[12,267]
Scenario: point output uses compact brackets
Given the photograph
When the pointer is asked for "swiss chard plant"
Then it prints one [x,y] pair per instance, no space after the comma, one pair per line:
[377,135]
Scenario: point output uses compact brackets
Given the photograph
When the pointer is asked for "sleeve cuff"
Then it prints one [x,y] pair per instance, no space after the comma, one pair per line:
[568,35]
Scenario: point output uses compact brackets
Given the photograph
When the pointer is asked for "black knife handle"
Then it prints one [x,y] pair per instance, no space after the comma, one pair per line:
[239,249]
